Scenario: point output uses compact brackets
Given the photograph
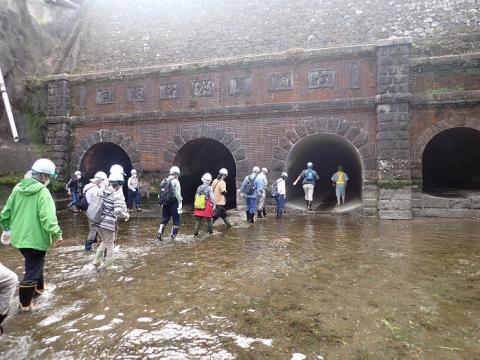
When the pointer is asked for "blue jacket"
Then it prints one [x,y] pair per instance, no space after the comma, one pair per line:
[258,185]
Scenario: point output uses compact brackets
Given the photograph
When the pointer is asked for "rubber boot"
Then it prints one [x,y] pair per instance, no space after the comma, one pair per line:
[209,226]
[174,233]
[308,203]
[197,225]
[252,218]
[25,294]
[248,215]
[225,220]
[259,214]
[2,317]
[138,208]
[98,258]
[264,213]
[39,288]
[161,229]
[109,265]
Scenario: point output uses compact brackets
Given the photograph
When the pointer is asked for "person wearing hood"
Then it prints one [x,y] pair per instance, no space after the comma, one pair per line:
[249,189]
[262,193]
[219,187]
[309,177]
[204,204]
[89,191]
[133,191]
[29,220]
[74,189]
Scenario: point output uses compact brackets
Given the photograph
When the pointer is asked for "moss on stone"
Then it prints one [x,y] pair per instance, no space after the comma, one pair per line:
[393,184]
[10,180]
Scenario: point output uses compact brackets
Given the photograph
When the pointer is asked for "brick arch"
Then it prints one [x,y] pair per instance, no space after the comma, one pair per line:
[418,147]
[232,143]
[355,135]
[110,136]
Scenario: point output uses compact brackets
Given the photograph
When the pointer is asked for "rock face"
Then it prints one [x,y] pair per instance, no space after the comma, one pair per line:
[125,34]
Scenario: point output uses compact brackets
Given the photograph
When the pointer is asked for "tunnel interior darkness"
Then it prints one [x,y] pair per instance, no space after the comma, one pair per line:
[100,157]
[326,152]
[200,156]
[451,160]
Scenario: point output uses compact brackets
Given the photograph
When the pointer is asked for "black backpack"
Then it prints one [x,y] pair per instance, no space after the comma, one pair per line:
[166,194]
[250,185]
[82,203]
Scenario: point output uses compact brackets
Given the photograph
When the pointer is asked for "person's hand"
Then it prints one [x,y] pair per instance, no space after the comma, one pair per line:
[294,183]
[58,242]
[69,193]
[6,236]
[127,217]
[242,194]
[333,184]
[179,211]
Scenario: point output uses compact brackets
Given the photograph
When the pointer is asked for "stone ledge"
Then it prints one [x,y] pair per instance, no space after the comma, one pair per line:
[448,213]
[469,59]
[395,214]
[394,41]
[452,97]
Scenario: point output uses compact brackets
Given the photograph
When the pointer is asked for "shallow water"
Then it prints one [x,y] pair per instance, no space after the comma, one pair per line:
[305,287]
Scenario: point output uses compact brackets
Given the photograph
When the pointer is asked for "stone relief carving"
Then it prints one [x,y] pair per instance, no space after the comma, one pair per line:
[136,93]
[278,82]
[203,87]
[82,98]
[106,96]
[321,78]
[355,75]
[240,85]
[169,91]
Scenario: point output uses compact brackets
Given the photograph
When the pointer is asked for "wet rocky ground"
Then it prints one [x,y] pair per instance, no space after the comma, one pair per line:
[303,287]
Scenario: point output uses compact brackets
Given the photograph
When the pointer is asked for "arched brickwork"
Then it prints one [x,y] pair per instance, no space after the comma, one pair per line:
[418,147]
[110,136]
[207,131]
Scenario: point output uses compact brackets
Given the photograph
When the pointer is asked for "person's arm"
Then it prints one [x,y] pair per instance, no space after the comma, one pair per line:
[333,180]
[242,188]
[119,207]
[211,196]
[178,194]
[316,175]
[6,214]
[298,178]
[129,184]
[223,188]
[48,217]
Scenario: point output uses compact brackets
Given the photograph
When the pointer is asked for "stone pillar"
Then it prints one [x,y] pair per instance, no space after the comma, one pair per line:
[58,124]
[393,160]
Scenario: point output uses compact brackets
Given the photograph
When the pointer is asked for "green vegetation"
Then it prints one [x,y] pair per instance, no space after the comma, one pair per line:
[10,180]
[34,111]
[393,184]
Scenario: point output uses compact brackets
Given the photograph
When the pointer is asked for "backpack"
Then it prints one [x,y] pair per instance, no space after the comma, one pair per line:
[250,185]
[95,208]
[166,194]
[274,189]
[309,176]
[200,201]
[82,203]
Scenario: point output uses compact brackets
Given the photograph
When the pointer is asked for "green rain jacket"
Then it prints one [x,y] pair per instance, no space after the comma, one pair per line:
[30,214]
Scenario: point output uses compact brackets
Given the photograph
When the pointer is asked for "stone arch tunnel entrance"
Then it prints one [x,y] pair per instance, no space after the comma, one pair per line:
[451,161]
[101,156]
[203,155]
[326,152]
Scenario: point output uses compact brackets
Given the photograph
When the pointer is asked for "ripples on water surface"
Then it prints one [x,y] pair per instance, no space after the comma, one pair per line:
[300,288]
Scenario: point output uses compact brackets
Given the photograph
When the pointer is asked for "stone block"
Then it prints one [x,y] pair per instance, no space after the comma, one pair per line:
[371,203]
[476,203]
[292,136]
[235,145]
[219,134]
[284,143]
[434,202]
[279,153]
[417,203]
[210,132]
[402,194]
[172,147]
[352,133]
[332,126]
[168,157]
[125,144]
[459,204]
[227,139]
[343,127]
[360,140]
[301,130]
[385,194]
[240,154]
[395,214]
[134,157]
[321,125]
[367,211]
[310,126]
[178,141]
[450,213]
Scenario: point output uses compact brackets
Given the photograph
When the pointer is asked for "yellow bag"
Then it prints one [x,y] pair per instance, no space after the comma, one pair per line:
[200,202]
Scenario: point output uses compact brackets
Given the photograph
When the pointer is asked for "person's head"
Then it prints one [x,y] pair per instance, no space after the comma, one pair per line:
[309,165]
[77,175]
[340,168]
[265,170]
[222,173]
[43,170]
[99,178]
[116,180]
[256,170]
[133,173]
[175,171]
[207,178]
[117,169]
[284,175]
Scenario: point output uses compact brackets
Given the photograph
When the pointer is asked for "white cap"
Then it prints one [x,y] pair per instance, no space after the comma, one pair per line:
[309,164]
[223,171]
[256,169]
[44,166]
[117,169]
[133,171]
[284,174]
[99,175]
[207,178]
[116,176]
[265,170]
[78,173]
[175,170]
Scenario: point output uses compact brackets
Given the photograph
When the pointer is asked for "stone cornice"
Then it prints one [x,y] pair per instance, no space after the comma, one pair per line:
[448,61]
[462,98]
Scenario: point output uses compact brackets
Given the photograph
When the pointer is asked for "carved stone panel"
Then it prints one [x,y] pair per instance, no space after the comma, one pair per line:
[279,82]
[203,87]
[106,96]
[82,98]
[169,91]
[321,78]
[355,75]
[240,85]
[136,93]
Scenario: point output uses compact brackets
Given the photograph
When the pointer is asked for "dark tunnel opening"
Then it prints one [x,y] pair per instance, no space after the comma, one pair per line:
[451,161]
[200,156]
[326,152]
[100,157]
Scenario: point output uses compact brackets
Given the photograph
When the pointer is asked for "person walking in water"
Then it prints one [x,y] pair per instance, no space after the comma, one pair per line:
[339,180]
[29,219]
[279,192]
[8,284]
[74,189]
[219,187]
[309,177]
[262,193]
[89,191]
[113,209]
[133,191]
[249,189]
[170,198]
[204,204]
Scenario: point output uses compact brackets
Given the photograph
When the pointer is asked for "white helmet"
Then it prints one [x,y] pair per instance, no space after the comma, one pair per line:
[175,170]
[44,166]
[223,171]
[284,174]
[256,169]
[207,178]
[116,177]
[99,175]
[265,170]
[78,173]
[309,164]
[133,171]
[117,169]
